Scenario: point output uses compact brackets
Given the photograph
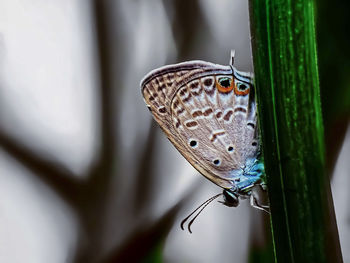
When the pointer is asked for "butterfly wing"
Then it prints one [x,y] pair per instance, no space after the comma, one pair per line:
[206,115]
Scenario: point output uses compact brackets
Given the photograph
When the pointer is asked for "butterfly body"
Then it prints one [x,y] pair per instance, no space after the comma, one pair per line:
[208,111]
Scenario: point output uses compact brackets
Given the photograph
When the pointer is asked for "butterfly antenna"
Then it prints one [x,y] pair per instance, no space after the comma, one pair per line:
[232,57]
[200,208]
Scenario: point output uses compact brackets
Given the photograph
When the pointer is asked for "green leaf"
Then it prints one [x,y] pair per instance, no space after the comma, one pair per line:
[288,95]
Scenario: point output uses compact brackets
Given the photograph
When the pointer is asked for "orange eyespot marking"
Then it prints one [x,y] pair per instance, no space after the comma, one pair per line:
[224,84]
[242,89]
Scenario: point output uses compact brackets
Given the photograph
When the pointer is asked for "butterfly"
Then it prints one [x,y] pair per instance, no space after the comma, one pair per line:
[208,111]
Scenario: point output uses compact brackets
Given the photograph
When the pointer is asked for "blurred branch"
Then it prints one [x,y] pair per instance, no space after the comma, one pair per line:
[145,240]
[144,174]
[104,65]
[96,190]
[188,23]
[61,180]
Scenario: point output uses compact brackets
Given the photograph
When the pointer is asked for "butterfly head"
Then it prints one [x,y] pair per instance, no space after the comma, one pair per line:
[230,198]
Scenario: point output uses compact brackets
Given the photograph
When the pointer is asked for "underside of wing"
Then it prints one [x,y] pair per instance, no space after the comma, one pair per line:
[217,126]
[213,128]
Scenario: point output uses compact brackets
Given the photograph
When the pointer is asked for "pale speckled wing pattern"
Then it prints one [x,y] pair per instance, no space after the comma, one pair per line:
[213,126]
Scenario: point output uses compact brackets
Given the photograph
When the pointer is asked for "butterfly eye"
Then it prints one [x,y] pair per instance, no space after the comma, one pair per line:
[254,144]
[230,199]
[230,148]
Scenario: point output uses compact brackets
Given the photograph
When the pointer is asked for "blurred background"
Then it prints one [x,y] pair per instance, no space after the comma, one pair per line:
[86,175]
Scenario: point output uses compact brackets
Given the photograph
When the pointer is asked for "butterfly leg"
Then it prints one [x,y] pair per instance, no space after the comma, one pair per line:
[263,186]
[254,202]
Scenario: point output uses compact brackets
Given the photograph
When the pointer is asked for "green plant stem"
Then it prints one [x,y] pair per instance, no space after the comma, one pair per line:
[285,65]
